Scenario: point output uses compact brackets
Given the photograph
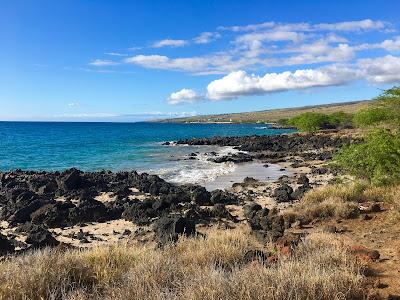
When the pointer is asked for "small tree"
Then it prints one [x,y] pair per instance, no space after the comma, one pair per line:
[385,109]
[372,116]
[340,119]
[376,159]
[309,121]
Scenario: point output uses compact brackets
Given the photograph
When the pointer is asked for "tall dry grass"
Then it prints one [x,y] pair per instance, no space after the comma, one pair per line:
[340,201]
[198,268]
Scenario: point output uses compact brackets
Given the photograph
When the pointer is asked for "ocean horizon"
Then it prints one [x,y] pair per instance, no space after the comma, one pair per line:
[115,146]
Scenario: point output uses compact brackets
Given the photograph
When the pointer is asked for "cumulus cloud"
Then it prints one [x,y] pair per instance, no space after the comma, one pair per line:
[391,45]
[384,69]
[206,37]
[191,64]
[366,24]
[318,52]
[240,83]
[73,104]
[200,65]
[381,70]
[184,96]
[102,63]
[274,36]
[169,43]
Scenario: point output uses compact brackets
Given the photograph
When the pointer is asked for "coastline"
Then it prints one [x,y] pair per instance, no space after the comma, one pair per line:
[85,209]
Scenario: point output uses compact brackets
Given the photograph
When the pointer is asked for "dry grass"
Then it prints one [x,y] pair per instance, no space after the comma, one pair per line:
[342,201]
[199,268]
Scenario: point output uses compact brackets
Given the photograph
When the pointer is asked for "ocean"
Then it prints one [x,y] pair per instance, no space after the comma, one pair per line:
[53,146]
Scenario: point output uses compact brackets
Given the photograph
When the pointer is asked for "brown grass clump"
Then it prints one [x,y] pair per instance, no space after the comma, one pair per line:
[340,201]
[198,268]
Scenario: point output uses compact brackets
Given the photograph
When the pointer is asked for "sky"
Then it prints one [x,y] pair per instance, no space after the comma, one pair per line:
[103,60]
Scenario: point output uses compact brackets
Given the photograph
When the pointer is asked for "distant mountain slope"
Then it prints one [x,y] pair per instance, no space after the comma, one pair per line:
[273,115]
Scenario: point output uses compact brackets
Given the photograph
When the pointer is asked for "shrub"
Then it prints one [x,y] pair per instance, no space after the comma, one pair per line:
[283,121]
[309,121]
[376,159]
[371,116]
[386,109]
[340,120]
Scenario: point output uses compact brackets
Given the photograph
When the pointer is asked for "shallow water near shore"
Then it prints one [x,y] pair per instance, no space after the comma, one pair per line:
[119,146]
[254,170]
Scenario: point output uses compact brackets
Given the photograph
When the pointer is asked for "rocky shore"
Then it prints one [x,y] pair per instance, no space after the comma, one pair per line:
[80,209]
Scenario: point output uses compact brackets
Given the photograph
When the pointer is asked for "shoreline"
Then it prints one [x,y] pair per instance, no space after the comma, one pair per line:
[84,209]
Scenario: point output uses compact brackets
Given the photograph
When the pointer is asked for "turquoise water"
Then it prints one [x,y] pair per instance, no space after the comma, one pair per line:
[112,146]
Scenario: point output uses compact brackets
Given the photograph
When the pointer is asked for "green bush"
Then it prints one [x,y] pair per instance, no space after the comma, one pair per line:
[371,116]
[312,121]
[385,110]
[283,121]
[377,158]
[309,121]
[340,120]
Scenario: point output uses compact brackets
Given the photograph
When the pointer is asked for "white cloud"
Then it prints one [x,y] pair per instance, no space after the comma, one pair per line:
[103,62]
[213,64]
[240,83]
[318,52]
[73,104]
[258,46]
[274,36]
[192,64]
[384,69]
[115,54]
[206,37]
[184,96]
[391,45]
[366,24]
[250,27]
[169,43]
[333,38]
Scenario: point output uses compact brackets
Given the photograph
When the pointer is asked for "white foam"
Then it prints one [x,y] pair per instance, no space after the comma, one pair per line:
[202,174]
[199,170]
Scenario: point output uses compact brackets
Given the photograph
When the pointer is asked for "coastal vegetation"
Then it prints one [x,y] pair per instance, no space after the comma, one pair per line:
[297,252]
[312,121]
[199,268]
[377,157]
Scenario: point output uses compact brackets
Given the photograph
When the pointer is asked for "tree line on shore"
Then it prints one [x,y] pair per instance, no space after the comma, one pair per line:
[377,157]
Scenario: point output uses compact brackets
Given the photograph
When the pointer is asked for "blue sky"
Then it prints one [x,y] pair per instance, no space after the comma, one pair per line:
[133,60]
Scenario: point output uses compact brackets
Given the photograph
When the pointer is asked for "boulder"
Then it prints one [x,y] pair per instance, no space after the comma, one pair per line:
[140,212]
[71,180]
[169,229]
[201,196]
[6,246]
[303,179]
[219,211]
[283,193]
[219,196]
[300,191]
[88,210]
[251,209]
[23,214]
[39,237]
